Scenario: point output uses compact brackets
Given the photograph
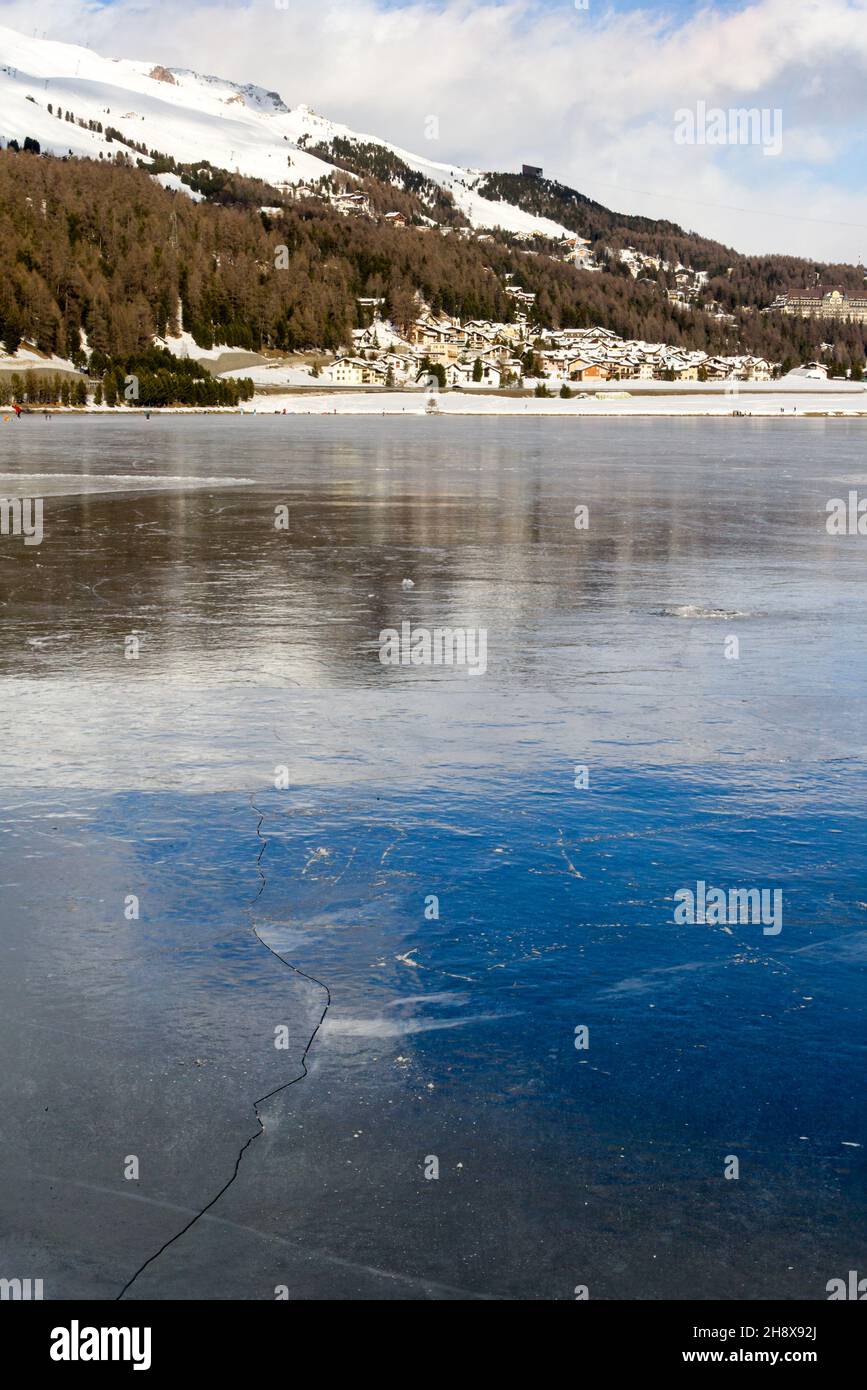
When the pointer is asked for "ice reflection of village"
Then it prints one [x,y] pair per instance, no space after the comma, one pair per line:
[480,524]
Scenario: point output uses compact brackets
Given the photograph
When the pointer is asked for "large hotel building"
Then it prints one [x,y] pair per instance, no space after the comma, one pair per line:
[822,304]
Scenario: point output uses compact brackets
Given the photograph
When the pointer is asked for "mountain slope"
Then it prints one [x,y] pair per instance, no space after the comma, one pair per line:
[192,118]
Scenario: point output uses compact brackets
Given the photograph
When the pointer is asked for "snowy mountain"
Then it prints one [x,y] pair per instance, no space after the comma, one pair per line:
[193,117]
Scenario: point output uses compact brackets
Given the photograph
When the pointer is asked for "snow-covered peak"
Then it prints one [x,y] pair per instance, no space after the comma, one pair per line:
[192,117]
[229,93]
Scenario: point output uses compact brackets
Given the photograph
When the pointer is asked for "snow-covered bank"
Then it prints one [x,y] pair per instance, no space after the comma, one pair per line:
[27,359]
[773,400]
[274,374]
[184,346]
[777,403]
[7,412]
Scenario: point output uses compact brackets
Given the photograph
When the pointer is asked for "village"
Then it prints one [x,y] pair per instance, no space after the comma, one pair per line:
[483,355]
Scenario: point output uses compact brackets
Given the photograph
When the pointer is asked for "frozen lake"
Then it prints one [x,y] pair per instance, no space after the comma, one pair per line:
[194,713]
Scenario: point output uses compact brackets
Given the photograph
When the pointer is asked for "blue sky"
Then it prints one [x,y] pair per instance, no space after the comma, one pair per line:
[593,95]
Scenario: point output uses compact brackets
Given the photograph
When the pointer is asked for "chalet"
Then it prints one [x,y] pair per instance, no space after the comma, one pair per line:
[402,365]
[355,371]
[462,374]
[480,333]
[594,371]
[815,371]
[446,352]
[510,371]
[572,243]
[426,332]
[716,368]
[500,352]
[562,363]
[760,370]
[365,338]
[513,332]
[377,335]
[522,296]
[440,340]
[357,204]
[395,219]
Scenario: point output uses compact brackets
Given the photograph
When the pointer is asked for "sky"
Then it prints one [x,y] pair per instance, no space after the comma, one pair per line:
[628,102]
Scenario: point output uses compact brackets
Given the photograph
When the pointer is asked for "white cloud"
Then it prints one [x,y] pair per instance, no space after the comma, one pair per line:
[590,95]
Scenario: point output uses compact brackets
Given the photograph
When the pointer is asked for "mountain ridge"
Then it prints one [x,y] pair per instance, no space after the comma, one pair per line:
[183,119]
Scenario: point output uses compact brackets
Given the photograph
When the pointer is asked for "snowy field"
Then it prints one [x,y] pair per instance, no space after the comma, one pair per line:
[771,401]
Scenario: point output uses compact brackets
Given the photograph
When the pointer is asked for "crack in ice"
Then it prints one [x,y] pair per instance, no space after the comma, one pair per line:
[261,1099]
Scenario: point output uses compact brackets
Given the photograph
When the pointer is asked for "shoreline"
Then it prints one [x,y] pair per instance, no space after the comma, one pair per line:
[765,406]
